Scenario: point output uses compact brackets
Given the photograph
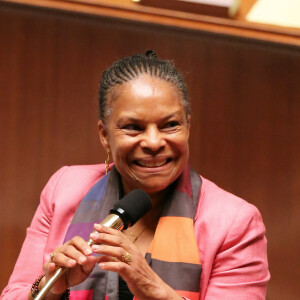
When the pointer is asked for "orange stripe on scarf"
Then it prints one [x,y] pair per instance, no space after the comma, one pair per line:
[189,295]
[175,241]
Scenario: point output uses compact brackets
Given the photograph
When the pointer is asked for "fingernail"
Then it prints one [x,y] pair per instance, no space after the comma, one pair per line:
[93,235]
[82,260]
[71,263]
[88,251]
[102,265]
[95,247]
[98,226]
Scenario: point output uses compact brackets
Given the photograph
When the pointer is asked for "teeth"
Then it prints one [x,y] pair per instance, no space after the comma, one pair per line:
[151,164]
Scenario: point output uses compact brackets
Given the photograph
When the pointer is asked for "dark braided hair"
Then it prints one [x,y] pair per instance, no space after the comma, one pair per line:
[130,68]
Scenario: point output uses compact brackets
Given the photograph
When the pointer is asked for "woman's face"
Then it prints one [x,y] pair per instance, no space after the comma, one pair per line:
[146,133]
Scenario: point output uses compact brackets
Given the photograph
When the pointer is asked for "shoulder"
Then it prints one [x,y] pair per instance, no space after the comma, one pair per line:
[218,205]
[231,238]
[61,196]
[222,217]
[76,175]
[79,171]
[70,183]
[224,220]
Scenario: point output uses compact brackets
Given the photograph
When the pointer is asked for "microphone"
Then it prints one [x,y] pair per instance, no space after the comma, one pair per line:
[127,211]
[124,214]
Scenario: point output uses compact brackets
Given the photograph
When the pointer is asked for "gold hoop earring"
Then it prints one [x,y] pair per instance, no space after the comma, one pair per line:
[107,163]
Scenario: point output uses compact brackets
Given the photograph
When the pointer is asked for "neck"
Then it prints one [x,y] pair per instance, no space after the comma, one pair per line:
[160,197]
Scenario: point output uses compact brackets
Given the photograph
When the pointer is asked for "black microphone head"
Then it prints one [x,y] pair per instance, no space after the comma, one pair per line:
[132,207]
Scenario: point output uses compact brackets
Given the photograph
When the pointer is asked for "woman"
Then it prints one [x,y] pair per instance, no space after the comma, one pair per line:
[197,242]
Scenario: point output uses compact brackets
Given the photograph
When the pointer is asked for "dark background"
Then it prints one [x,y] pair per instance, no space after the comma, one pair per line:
[245,97]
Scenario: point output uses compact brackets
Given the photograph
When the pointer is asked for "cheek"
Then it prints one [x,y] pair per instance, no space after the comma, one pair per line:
[121,149]
[181,144]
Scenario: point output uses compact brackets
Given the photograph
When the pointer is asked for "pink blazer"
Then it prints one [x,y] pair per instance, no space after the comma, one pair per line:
[229,231]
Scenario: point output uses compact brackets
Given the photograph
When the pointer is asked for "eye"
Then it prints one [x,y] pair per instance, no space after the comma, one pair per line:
[171,125]
[131,127]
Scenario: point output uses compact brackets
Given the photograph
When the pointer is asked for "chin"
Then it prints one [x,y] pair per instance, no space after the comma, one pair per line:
[150,183]
[156,186]
[153,189]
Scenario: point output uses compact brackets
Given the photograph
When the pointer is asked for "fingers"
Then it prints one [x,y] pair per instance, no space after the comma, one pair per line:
[71,253]
[119,254]
[76,256]
[110,253]
[108,236]
[112,244]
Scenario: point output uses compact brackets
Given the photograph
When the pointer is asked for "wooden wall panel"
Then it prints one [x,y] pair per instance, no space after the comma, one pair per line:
[245,123]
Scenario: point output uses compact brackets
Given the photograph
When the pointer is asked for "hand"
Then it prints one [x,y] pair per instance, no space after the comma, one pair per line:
[142,281]
[74,255]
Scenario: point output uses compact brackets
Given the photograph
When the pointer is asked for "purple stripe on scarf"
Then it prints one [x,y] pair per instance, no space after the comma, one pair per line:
[80,229]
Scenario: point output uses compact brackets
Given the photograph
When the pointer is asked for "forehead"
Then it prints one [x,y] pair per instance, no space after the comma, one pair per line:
[147,86]
[146,90]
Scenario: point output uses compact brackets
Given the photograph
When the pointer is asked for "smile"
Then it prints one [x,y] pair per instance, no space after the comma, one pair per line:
[152,164]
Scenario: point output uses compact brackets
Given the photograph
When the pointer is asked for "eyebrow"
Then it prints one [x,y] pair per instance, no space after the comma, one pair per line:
[132,119]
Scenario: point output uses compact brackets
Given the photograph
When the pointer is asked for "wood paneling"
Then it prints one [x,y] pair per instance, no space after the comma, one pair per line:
[129,11]
[245,123]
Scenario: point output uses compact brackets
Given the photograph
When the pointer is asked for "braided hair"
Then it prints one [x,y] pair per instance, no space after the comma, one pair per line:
[130,68]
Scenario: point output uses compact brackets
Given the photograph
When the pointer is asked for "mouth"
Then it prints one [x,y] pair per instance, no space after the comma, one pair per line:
[152,163]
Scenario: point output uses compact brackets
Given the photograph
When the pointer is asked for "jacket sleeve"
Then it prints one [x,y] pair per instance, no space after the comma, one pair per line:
[240,267]
[30,261]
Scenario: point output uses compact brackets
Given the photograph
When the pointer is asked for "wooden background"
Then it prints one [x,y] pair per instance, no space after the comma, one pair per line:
[245,96]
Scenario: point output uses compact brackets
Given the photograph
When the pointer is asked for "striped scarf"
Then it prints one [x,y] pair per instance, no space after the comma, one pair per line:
[173,253]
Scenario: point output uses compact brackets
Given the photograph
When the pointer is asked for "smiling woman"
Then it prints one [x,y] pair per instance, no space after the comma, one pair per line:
[197,241]
[149,146]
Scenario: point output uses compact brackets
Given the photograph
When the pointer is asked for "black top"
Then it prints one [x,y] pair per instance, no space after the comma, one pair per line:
[124,292]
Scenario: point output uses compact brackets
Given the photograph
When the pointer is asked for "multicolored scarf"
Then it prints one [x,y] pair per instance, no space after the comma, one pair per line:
[173,253]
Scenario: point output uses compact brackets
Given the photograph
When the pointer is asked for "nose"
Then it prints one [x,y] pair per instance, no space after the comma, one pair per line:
[153,139]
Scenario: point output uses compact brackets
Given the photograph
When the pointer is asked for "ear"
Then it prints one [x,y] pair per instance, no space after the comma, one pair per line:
[103,136]
[188,119]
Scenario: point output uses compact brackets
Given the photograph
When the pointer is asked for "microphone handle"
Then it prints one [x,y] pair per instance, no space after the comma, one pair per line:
[112,221]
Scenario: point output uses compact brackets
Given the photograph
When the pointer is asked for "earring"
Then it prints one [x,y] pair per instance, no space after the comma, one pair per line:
[107,163]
